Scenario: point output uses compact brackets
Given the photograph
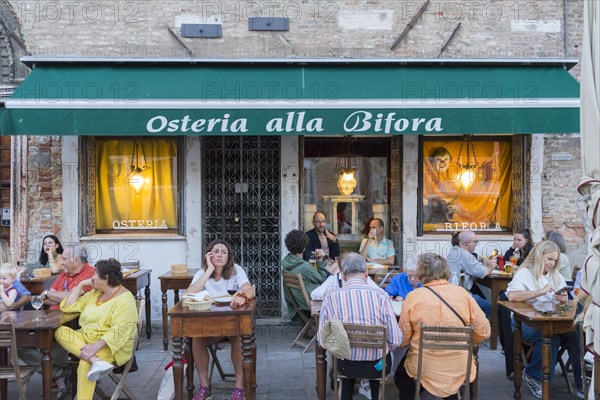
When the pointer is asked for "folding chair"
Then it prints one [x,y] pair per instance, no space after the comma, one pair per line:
[296,282]
[214,362]
[21,374]
[123,370]
[445,338]
[383,278]
[363,336]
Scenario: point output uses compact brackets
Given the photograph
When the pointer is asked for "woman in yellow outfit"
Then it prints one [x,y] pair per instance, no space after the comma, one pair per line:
[108,318]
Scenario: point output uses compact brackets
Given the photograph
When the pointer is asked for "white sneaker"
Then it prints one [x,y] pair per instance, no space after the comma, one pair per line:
[365,388]
[99,369]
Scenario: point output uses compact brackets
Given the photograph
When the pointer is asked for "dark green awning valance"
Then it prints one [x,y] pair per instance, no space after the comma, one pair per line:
[294,99]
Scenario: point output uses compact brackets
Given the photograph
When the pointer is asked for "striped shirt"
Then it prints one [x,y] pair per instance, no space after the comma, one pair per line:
[357,303]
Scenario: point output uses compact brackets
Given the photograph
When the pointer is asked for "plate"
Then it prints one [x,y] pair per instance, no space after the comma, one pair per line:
[224,299]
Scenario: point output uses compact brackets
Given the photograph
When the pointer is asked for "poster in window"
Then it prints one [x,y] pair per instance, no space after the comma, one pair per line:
[142,197]
[456,198]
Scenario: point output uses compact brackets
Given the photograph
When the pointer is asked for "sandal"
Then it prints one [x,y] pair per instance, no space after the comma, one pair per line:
[237,394]
[61,392]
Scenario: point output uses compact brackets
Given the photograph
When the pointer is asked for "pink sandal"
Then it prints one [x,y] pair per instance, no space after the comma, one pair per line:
[237,394]
[203,393]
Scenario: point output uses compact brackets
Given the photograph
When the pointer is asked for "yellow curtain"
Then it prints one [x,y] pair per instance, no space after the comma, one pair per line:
[486,203]
[145,200]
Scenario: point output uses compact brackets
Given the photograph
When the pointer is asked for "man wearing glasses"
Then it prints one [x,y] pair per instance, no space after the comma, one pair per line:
[460,259]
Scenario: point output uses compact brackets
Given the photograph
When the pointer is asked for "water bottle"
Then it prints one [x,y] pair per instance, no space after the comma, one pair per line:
[454,279]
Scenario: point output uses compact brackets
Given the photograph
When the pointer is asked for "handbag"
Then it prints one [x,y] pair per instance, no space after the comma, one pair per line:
[446,303]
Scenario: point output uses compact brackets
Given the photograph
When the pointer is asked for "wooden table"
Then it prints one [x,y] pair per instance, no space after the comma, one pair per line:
[38,285]
[175,282]
[496,283]
[135,282]
[548,326]
[40,334]
[216,322]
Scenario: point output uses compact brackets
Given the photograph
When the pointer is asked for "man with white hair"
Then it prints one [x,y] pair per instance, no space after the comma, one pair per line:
[461,259]
[358,303]
[404,283]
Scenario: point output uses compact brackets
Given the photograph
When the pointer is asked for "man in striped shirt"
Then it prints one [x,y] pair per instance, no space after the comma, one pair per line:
[358,303]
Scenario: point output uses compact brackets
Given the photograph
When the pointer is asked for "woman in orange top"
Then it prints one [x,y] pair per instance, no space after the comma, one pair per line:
[440,375]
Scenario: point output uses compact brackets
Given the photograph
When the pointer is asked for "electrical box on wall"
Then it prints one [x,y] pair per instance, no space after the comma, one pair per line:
[201,30]
[5,217]
[268,24]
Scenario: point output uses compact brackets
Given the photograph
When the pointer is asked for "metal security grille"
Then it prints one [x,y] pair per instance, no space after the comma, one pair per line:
[241,204]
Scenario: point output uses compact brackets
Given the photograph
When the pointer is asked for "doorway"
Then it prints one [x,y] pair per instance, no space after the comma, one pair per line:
[241,204]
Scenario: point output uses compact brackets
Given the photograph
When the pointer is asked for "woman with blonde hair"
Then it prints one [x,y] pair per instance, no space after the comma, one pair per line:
[538,279]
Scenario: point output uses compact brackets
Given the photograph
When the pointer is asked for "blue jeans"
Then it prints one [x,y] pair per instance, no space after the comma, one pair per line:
[533,336]
[485,305]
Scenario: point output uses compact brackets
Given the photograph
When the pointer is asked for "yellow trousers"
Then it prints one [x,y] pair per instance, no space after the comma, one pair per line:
[72,341]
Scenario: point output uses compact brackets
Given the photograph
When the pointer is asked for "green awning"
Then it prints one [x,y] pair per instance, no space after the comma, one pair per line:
[291,99]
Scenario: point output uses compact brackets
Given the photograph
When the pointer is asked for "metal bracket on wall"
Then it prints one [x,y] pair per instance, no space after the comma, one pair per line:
[447,42]
[409,26]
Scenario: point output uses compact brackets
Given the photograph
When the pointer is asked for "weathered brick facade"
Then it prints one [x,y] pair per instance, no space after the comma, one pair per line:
[334,29]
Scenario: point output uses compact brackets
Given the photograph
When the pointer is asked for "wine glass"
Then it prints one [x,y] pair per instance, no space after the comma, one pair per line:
[232,287]
[37,303]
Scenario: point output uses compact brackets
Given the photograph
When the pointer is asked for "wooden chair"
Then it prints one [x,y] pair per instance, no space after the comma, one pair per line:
[126,368]
[363,336]
[296,282]
[445,338]
[21,374]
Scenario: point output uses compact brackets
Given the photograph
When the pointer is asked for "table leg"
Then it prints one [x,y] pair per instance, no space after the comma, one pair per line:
[546,356]
[148,313]
[473,385]
[176,296]
[46,374]
[518,367]
[494,316]
[178,367]
[249,367]
[164,319]
[189,371]
[3,382]
[596,378]
[321,358]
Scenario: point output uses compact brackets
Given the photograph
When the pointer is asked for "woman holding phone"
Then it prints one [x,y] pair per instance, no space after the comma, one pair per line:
[538,279]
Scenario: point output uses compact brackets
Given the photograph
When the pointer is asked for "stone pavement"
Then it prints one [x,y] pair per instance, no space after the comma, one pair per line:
[286,374]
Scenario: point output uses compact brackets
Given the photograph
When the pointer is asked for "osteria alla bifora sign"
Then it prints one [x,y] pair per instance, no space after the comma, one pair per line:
[359,121]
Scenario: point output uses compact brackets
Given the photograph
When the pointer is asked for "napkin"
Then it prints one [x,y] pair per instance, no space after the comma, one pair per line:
[200,296]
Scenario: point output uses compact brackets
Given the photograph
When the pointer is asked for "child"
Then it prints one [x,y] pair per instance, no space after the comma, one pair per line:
[8,293]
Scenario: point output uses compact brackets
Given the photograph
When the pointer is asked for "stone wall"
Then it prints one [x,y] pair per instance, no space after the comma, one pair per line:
[333,28]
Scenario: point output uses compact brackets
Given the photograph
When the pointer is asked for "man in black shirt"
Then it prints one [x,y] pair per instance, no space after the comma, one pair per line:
[321,238]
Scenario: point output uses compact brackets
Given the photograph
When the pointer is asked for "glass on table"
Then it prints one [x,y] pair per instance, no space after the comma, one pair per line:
[37,303]
[232,287]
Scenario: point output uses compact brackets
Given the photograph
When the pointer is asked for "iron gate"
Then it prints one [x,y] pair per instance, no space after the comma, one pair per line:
[241,204]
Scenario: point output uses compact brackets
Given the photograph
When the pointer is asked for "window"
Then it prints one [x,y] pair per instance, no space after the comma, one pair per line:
[455,197]
[134,185]
[347,215]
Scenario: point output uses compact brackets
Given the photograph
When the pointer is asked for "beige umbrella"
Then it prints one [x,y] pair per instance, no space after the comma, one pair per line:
[590,154]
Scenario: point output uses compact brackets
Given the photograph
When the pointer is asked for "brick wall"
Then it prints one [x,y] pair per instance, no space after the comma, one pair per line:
[334,28]
[44,179]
